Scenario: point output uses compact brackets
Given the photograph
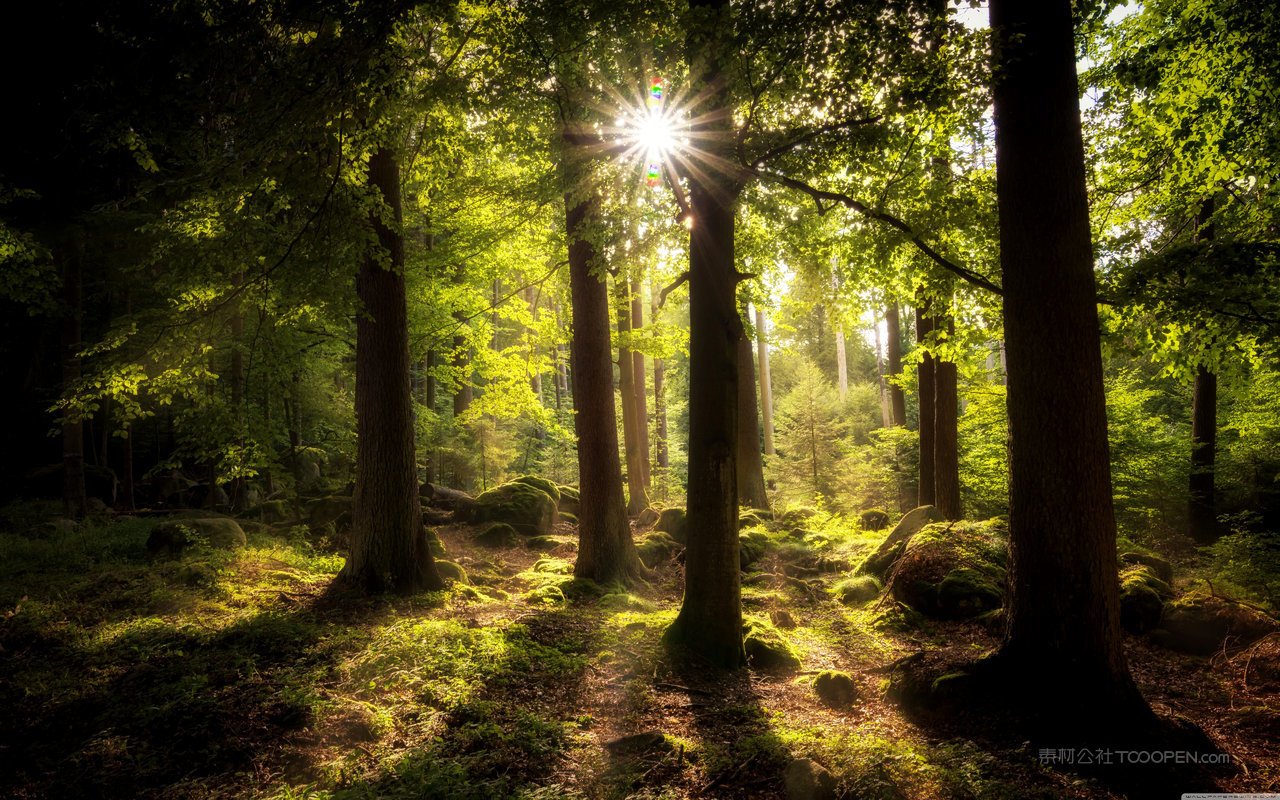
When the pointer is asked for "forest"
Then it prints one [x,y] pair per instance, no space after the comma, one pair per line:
[566,399]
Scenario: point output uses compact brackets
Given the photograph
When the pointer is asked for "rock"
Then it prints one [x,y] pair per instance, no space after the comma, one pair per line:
[59,527]
[452,572]
[272,511]
[672,521]
[794,516]
[993,621]
[174,536]
[874,520]
[550,487]
[637,744]
[952,570]
[434,542]
[254,526]
[887,554]
[444,497]
[566,517]
[498,534]
[1202,624]
[781,618]
[1142,597]
[751,548]
[857,590]
[335,509]
[805,779]
[752,518]
[835,689]
[542,543]
[570,500]
[1159,567]
[656,548]
[647,518]
[526,508]
[766,648]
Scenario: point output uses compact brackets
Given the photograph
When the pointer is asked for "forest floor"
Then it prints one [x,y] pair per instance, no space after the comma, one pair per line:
[231,675]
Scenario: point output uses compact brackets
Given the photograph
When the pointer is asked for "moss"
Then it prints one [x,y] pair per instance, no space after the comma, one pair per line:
[835,689]
[434,543]
[550,487]
[499,534]
[857,590]
[672,521]
[1158,566]
[767,648]
[953,570]
[753,518]
[543,543]
[526,508]
[571,519]
[875,519]
[795,516]
[174,536]
[451,571]
[886,555]
[752,546]
[548,595]
[897,618]
[570,499]
[1202,624]
[656,548]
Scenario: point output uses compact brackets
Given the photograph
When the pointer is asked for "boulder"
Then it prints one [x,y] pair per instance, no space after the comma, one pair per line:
[767,649]
[856,590]
[656,548]
[1142,598]
[526,508]
[647,518]
[175,535]
[438,496]
[637,744]
[550,487]
[570,500]
[805,779]
[498,534]
[835,689]
[753,518]
[334,509]
[1201,624]
[952,570]
[451,571]
[781,618]
[795,516]
[1159,567]
[272,511]
[874,519]
[542,544]
[751,548]
[672,520]
[887,554]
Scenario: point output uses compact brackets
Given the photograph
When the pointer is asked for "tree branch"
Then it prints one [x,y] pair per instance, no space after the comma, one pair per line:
[662,295]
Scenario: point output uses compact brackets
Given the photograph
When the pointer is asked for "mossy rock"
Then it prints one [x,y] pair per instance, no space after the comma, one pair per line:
[570,500]
[875,519]
[835,689]
[897,617]
[673,521]
[175,535]
[766,647]
[543,544]
[993,621]
[272,511]
[434,543]
[856,590]
[1159,567]
[647,518]
[526,508]
[890,550]
[334,509]
[254,527]
[550,487]
[452,571]
[549,595]
[953,570]
[581,589]
[753,518]
[656,547]
[752,546]
[796,516]
[499,534]
[1142,598]
[1202,624]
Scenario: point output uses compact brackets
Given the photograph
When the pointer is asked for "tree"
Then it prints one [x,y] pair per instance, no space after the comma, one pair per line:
[926,379]
[632,424]
[751,488]
[389,549]
[893,366]
[766,382]
[1063,628]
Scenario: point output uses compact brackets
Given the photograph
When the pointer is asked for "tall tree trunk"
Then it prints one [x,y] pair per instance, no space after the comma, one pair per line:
[637,495]
[946,458]
[463,392]
[882,387]
[606,551]
[926,374]
[842,365]
[1202,511]
[893,366]
[638,383]
[127,501]
[74,499]
[766,382]
[389,548]
[710,618]
[238,488]
[751,488]
[659,396]
[1062,646]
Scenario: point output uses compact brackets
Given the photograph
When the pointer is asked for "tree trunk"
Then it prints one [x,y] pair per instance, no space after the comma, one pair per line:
[659,396]
[926,375]
[389,548]
[1202,514]
[1062,646]
[638,384]
[766,382]
[606,552]
[842,365]
[238,488]
[127,502]
[893,366]
[886,415]
[74,499]
[637,496]
[710,618]
[751,488]
[946,458]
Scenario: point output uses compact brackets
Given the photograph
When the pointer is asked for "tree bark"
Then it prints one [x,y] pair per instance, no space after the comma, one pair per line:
[638,384]
[766,382]
[74,498]
[710,618]
[1062,650]
[893,366]
[1202,508]
[606,552]
[659,396]
[637,495]
[946,458]
[926,374]
[389,548]
[751,488]
[842,365]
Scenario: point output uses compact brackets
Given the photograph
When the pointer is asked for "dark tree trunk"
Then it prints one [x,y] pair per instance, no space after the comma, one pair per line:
[659,395]
[238,488]
[946,458]
[638,383]
[710,618]
[1062,646]
[766,381]
[893,367]
[389,548]
[926,373]
[606,552]
[637,496]
[1203,516]
[463,392]
[74,499]
[751,488]
[127,502]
